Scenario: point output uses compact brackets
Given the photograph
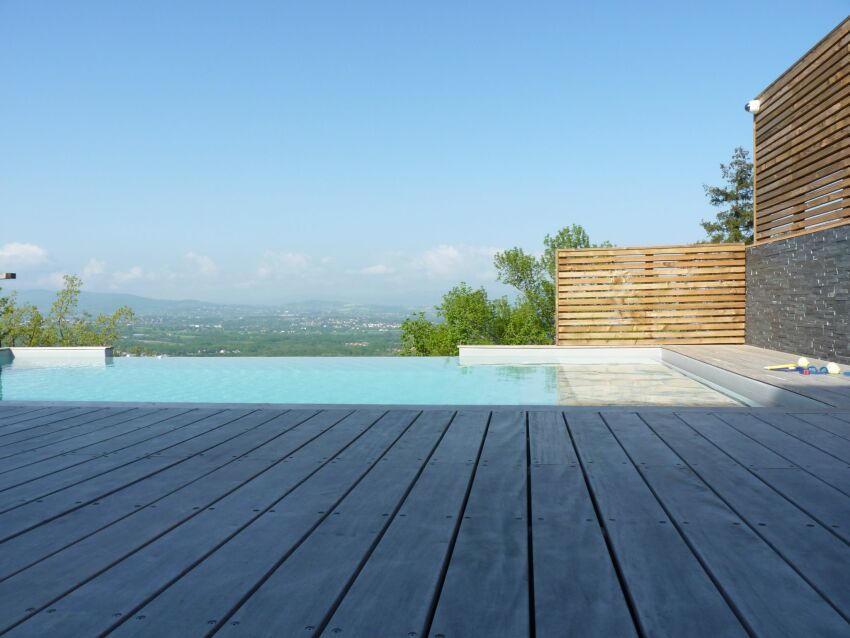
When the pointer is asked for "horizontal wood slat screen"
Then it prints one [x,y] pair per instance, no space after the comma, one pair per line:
[651,296]
[802,144]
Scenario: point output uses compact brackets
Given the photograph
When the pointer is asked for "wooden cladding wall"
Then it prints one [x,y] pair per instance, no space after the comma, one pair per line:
[802,144]
[651,296]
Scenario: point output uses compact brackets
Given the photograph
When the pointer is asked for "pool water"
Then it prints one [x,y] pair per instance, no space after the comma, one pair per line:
[352,380]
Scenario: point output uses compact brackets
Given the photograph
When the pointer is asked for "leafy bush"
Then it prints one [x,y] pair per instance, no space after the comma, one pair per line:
[468,316]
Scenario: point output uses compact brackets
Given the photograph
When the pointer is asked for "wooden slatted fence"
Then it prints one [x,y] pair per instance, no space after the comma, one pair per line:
[650,296]
[802,144]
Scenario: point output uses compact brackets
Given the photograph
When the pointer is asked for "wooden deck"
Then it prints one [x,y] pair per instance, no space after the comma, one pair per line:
[749,361]
[252,522]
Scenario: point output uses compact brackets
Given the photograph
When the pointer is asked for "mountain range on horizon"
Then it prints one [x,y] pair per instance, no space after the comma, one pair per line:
[106,302]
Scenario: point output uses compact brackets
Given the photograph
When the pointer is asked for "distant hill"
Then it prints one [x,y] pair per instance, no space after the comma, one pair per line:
[105,302]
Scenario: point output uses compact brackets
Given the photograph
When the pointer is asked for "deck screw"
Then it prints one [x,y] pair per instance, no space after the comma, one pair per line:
[309,628]
[411,634]
[51,611]
[336,630]
[117,614]
[211,622]
[140,617]
[235,622]
[30,608]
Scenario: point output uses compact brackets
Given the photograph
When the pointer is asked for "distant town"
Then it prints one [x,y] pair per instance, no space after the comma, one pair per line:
[194,328]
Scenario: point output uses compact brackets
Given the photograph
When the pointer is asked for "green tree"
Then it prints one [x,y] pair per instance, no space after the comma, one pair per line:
[24,325]
[534,277]
[469,316]
[734,223]
[19,324]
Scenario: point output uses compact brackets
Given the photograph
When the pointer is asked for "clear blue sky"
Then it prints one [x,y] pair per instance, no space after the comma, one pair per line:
[364,151]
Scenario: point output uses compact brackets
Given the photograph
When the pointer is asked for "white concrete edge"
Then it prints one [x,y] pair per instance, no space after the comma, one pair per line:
[74,353]
[537,355]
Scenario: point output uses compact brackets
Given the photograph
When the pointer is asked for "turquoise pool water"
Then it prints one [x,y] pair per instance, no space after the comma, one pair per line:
[355,380]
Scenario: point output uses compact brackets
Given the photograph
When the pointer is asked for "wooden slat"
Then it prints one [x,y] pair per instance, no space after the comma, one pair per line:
[688,274]
[384,600]
[613,323]
[645,542]
[661,265]
[638,315]
[491,553]
[802,147]
[813,550]
[727,546]
[331,551]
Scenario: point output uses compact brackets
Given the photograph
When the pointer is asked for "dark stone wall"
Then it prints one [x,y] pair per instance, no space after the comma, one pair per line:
[797,295]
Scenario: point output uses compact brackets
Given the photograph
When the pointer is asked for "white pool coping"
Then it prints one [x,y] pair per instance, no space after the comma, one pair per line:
[537,355]
[65,354]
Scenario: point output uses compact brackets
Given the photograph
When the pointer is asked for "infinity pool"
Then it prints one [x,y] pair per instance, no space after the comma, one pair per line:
[352,380]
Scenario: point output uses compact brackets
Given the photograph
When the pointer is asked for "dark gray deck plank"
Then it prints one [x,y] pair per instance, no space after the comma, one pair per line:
[816,553]
[9,411]
[796,426]
[576,590]
[43,424]
[767,594]
[827,422]
[300,578]
[140,429]
[803,487]
[229,440]
[671,593]
[186,485]
[825,466]
[103,426]
[169,428]
[209,429]
[393,593]
[137,567]
[31,416]
[135,544]
[491,551]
